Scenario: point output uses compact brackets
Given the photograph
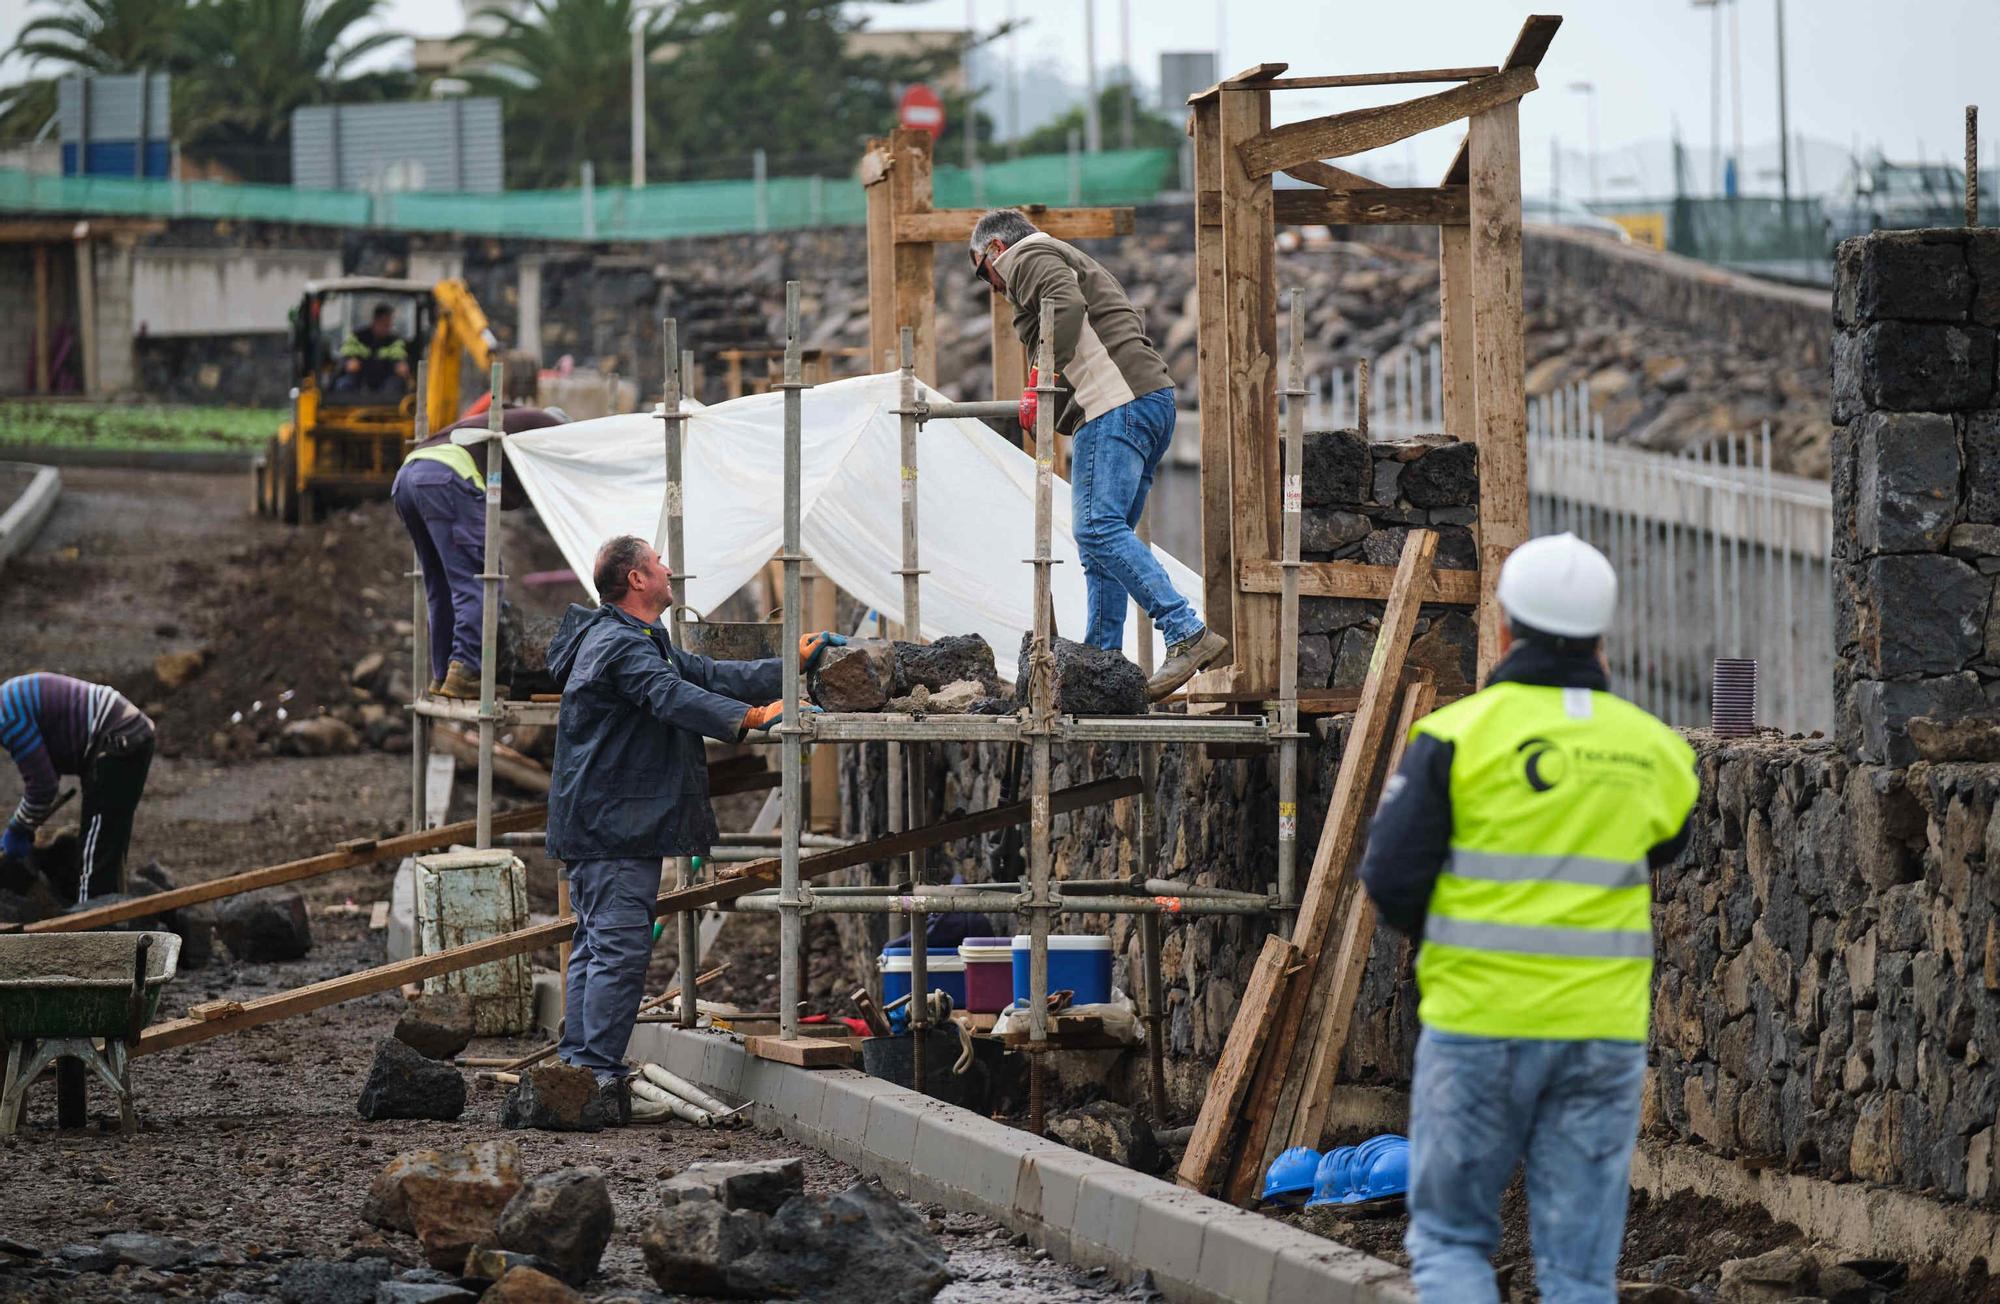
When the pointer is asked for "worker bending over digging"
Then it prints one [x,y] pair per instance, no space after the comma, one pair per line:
[1516,842]
[630,786]
[54,725]
[440,494]
[1117,399]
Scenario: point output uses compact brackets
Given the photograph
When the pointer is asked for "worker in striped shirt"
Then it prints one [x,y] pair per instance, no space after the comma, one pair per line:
[53,725]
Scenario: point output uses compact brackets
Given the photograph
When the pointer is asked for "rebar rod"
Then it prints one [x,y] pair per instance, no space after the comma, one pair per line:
[790,934]
[1041,716]
[1288,617]
[489,619]
[420,641]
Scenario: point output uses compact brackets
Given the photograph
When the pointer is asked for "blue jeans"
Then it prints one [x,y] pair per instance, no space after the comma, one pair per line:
[613,901]
[1479,1106]
[445,514]
[1110,474]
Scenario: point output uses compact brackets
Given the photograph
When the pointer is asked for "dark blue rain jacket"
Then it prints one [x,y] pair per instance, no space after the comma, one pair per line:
[630,776]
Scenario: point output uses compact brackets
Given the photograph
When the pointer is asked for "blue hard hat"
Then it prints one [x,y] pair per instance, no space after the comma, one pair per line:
[1385,1174]
[1330,1181]
[1291,1173]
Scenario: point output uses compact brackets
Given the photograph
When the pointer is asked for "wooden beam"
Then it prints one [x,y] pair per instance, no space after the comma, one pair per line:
[1530,44]
[876,165]
[1357,579]
[1341,134]
[1208,1149]
[351,855]
[1211,349]
[1332,178]
[1351,958]
[743,880]
[954,225]
[916,264]
[805,1052]
[1379,78]
[1377,206]
[1500,405]
[1455,318]
[1256,72]
[63,230]
[1010,357]
[1251,328]
[86,310]
[1273,1101]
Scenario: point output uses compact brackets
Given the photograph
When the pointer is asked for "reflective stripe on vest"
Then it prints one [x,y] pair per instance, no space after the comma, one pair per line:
[455,456]
[1541,924]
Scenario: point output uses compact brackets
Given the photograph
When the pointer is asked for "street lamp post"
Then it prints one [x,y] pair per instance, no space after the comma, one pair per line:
[1714,8]
[1589,91]
[638,101]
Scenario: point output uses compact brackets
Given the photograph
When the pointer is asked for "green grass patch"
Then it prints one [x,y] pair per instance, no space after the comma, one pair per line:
[153,427]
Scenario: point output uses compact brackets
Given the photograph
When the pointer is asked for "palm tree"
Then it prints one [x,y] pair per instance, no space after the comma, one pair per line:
[259,60]
[564,70]
[105,35]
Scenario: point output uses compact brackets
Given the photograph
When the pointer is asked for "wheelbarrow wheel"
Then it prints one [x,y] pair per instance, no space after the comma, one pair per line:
[72,1105]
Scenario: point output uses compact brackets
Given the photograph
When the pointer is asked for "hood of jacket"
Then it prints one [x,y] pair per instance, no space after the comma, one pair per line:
[566,644]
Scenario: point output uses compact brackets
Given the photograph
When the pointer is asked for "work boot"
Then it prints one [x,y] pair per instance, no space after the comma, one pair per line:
[462,681]
[1183,660]
[435,687]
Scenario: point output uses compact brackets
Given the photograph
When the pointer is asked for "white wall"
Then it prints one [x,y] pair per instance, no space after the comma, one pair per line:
[222,291]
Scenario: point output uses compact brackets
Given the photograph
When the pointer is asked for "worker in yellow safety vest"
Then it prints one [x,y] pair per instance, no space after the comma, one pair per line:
[1515,843]
[440,494]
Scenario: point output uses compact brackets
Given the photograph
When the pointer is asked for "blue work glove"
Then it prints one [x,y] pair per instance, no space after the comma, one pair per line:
[16,842]
[811,646]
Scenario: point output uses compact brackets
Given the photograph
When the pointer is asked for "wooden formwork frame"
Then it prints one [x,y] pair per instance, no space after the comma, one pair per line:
[1477,210]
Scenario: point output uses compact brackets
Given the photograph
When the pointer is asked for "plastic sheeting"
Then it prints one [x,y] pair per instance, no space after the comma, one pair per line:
[592,480]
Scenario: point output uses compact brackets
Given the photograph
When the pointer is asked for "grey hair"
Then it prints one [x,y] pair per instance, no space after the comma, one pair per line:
[616,561]
[1007,225]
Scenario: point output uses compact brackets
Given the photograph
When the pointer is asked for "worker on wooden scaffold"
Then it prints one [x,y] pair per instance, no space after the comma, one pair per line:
[1516,843]
[1117,399]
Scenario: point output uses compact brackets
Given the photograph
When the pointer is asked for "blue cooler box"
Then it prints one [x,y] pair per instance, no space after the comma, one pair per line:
[1077,962]
[944,972]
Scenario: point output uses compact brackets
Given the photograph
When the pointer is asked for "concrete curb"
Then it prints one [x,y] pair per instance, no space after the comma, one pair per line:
[22,520]
[1080,1209]
[131,459]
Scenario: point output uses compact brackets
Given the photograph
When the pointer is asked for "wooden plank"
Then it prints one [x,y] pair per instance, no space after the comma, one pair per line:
[877,164]
[1331,177]
[1356,579]
[508,764]
[1251,324]
[806,1052]
[1010,359]
[1379,78]
[1256,72]
[1218,604]
[1341,134]
[1208,1149]
[916,264]
[1377,206]
[1530,44]
[350,856]
[206,1010]
[734,883]
[1500,411]
[1351,957]
[43,332]
[1455,317]
[1275,1092]
[954,225]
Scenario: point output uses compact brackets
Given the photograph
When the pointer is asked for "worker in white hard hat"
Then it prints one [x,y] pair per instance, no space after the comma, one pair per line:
[1515,844]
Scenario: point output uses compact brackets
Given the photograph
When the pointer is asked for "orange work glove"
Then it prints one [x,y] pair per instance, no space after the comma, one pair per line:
[811,646]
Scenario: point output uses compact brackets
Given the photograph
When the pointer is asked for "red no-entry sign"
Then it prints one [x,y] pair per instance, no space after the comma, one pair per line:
[922,110]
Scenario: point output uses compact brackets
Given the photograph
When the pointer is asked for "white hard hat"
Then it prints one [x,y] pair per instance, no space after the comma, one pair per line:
[1560,585]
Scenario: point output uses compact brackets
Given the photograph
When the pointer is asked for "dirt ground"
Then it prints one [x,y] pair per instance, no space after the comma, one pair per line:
[251,1143]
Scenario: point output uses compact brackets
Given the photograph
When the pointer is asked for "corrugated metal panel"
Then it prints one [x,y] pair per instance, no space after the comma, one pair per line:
[451,146]
[115,105]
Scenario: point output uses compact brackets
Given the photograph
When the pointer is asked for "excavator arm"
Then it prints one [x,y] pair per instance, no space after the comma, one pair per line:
[461,330]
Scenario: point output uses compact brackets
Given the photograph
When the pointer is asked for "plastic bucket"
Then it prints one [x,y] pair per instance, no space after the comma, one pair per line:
[944,972]
[989,973]
[1078,962]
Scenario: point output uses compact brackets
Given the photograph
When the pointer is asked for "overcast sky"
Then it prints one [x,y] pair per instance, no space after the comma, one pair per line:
[1897,73]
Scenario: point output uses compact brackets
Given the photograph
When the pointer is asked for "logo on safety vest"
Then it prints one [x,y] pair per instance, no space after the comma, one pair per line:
[1543,763]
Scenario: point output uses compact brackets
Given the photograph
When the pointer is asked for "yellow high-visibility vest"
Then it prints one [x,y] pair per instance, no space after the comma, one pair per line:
[455,456]
[1541,923]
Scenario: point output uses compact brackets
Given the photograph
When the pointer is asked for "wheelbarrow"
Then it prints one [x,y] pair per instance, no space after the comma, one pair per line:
[61,994]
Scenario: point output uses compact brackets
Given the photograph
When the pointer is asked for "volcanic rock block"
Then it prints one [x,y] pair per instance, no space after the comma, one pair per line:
[527,1286]
[859,1246]
[1111,1132]
[1924,366]
[1336,467]
[438,1025]
[264,926]
[402,1083]
[759,1184]
[489,1263]
[423,1292]
[856,677]
[1882,713]
[144,1250]
[1910,275]
[1982,467]
[321,735]
[1921,615]
[555,1098]
[450,1200]
[1089,680]
[1905,481]
[1447,476]
[946,661]
[1974,738]
[564,1217]
[1329,529]
[691,1247]
[1781,1274]
[310,1282]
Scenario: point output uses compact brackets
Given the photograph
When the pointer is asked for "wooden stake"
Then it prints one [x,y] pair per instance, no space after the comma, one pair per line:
[1498,358]
[1361,398]
[1208,1150]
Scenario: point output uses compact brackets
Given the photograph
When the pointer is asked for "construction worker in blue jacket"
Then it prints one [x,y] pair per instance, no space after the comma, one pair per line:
[1515,843]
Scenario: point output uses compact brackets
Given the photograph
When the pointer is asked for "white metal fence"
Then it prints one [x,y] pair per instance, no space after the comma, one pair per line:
[1718,555]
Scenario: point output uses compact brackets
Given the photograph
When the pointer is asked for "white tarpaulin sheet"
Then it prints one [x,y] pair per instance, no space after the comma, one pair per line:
[592,480]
